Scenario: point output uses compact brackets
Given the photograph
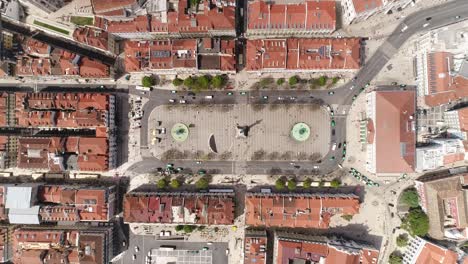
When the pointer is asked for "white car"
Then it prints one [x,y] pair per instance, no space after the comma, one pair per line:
[316,167]
[137,249]
[425,25]
[333,146]
[134,257]
[352,87]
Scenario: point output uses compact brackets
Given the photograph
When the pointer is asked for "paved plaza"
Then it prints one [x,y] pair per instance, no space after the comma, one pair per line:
[213,129]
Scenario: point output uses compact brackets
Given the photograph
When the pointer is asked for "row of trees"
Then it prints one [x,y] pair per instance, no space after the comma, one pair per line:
[416,222]
[175,154]
[291,184]
[200,83]
[165,183]
[288,155]
[295,82]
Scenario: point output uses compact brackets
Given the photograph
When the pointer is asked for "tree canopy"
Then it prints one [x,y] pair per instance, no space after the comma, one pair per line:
[307,183]
[402,240]
[291,184]
[410,197]
[416,222]
[161,184]
[202,183]
[293,80]
[279,184]
[147,81]
[395,258]
[335,183]
[217,81]
[177,82]
[175,183]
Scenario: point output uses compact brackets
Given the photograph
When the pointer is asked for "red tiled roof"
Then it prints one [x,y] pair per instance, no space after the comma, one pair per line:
[196,209]
[3,109]
[92,37]
[432,254]
[27,66]
[58,246]
[255,249]
[306,54]
[160,54]
[47,153]
[82,203]
[395,138]
[178,20]
[290,211]
[361,6]
[93,69]
[442,87]
[322,252]
[62,109]
[452,158]
[463,118]
[36,47]
[311,15]
[100,6]
[184,53]
[138,24]
[228,58]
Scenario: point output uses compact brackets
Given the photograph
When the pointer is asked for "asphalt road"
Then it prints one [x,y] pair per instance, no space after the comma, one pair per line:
[440,16]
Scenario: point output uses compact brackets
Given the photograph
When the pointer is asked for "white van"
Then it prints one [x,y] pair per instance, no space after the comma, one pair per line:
[209,97]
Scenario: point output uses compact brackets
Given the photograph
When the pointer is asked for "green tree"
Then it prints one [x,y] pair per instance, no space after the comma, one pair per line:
[203,82]
[322,80]
[279,184]
[416,222]
[217,81]
[162,183]
[202,183]
[189,82]
[402,240]
[293,80]
[395,258]
[179,228]
[410,197]
[175,183]
[292,184]
[347,217]
[189,228]
[335,183]
[266,81]
[307,183]
[280,81]
[321,183]
[335,80]
[147,81]
[177,82]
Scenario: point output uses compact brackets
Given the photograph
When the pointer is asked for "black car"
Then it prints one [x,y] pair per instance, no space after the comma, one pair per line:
[428,18]
[339,145]
[391,205]
[333,132]
[191,93]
